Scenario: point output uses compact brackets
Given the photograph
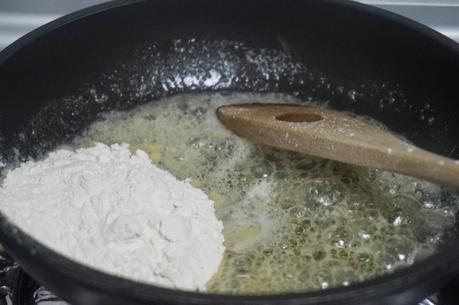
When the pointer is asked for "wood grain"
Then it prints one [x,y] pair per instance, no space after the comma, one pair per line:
[334,135]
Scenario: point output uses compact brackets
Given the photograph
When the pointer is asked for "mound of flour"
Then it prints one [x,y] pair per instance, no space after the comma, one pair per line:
[117,212]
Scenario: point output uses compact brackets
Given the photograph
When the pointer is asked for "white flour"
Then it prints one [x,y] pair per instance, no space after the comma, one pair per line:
[119,213]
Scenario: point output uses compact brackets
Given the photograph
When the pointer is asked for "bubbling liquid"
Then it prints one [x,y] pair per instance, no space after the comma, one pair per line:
[291,222]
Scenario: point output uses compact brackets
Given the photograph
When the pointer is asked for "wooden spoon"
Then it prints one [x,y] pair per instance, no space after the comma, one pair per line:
[333,135]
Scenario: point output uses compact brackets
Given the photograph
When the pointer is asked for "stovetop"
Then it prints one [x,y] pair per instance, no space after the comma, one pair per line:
[18,17]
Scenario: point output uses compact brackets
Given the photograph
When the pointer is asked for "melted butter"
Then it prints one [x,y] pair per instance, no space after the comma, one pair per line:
[291,222]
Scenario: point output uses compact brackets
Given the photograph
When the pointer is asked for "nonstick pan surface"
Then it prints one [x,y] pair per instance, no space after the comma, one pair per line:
[57,80]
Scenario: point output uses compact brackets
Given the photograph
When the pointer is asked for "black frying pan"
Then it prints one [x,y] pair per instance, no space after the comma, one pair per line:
[58,79]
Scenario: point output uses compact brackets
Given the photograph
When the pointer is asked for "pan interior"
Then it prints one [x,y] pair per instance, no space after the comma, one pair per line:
[293,223]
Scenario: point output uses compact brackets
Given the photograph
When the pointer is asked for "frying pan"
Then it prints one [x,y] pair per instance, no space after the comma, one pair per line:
[58,79]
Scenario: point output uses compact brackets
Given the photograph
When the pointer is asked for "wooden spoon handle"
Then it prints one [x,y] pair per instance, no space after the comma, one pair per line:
[336,136]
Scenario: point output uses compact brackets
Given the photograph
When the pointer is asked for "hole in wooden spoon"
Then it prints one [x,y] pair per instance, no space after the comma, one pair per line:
[299,117]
